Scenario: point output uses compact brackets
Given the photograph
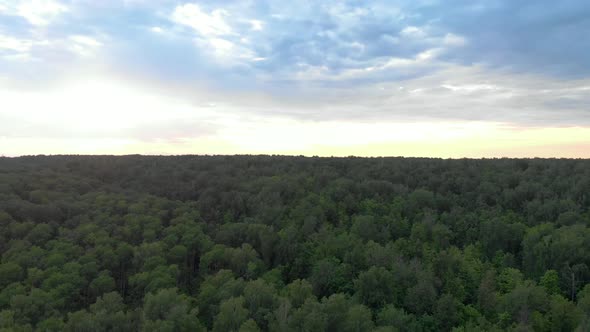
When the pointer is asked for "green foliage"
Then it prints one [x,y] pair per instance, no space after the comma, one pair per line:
[167,310]
[375,287]
[336,309]
[249,326]
[509,279]
[10,272]
[298,291]
[447,312]
[421,297]
[550,281]
[270,243]
[232,314]
[358,319]
[260,299]
[563,314]
[396,318]
[329,276]
[309,317]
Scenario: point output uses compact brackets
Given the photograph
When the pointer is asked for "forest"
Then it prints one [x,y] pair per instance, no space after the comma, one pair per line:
[292,243]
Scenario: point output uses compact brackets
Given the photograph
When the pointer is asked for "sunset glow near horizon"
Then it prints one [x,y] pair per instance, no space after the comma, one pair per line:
[331,78]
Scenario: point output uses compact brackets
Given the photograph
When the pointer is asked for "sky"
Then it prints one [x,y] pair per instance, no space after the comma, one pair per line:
[426,78]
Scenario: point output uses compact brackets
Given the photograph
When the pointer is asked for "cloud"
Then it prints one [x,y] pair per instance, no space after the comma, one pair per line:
[215,35]
[40,12]
[212,24]
[156,30]
[29,50]
[171,131]
[101,107]
[506,61]
[14,44]
[257,25]
[521,36]
[83,45]
[412,32]
[19,49]
[451,39]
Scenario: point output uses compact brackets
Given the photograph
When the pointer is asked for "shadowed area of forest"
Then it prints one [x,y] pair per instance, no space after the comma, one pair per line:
[276,243]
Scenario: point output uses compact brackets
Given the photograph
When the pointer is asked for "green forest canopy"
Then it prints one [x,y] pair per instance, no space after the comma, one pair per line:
[273,243]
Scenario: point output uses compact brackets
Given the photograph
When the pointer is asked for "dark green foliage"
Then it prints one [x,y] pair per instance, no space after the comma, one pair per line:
[358,319]
[270,243]
[232,314]
[375,287]
[167,310]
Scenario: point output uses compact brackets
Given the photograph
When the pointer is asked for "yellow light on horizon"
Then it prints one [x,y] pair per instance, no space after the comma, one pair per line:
[428,140]
[103,116]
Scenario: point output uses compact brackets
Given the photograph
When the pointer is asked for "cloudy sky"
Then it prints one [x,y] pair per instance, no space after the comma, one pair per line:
[473,78]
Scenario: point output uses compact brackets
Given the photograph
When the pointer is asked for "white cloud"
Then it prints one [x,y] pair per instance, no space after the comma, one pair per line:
[156,30]
[23,49]
[376,67]
[413,32]
[85,40]
[221,46]
[40,12]
[216,37]
[83,45]
[15,44]
[95,107]
[451,39]
[227,52]
[430,54]
[18,57]
[468,88]
[256,25]
[19,49]
[206,24]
